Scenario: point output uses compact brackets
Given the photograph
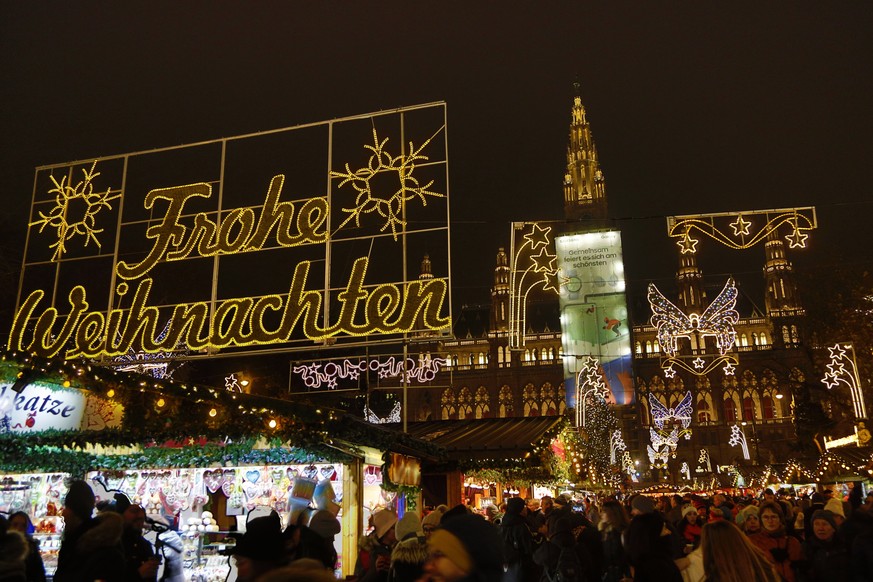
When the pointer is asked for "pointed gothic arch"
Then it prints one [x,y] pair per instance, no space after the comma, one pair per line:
[448,408]
[505,402]
[529,397]
[465,403]
[482,403]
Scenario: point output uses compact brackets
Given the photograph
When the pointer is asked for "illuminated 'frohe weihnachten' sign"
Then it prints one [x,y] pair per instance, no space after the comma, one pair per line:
[178,229]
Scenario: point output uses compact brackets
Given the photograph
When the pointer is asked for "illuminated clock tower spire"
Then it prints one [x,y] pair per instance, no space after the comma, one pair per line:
[690,280]
[500,293]
[782,298]
[584,185]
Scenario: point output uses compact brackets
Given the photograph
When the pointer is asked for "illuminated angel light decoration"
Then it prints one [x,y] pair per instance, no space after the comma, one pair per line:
[616,444]
[533,265]
[685,470]
[589,383]
[662,447]
[717,320]
[671,424]
[60,217]
[388,205]
[739,234]
[842,369]
[393,416]
[627,463]
[738,437]
[316,375]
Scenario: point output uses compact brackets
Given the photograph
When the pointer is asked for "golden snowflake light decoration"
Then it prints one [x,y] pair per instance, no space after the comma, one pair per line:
[60,216]
[388,205]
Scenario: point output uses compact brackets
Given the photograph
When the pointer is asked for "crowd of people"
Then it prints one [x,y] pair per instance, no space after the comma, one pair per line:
[690,538]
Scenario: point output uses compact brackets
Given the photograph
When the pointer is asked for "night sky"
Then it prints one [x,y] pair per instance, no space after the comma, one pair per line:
[752,105]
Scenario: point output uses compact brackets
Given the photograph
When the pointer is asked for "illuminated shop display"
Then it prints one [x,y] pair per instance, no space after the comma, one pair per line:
[343,226]
[732,230]
[594,316]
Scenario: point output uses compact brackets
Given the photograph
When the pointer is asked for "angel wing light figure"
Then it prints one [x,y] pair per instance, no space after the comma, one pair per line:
[683,413]
[717,320]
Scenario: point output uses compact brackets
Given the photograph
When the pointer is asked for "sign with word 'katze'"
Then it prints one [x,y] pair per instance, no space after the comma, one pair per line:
[314,233]
[42,407]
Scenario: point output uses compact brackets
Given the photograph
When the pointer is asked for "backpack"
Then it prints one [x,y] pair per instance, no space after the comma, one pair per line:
[511,549]
[568,567]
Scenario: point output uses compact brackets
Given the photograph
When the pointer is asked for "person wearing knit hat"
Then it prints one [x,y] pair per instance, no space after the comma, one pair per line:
[835,506]
[826,552]
[465,548]
[749,520]
[410,552]
[409,526]
[375,565]
[642,504]
[431,521]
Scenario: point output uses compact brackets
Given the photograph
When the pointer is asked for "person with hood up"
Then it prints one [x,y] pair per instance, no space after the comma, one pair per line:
[465,548]
[518,543]
[91,546]
[749,521]
[410,552]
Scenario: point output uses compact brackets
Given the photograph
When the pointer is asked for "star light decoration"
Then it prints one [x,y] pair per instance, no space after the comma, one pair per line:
[799,221]
[589,382]
[843,370]
[61,217]
[717,320]
[738,437]
[388,205]
[704,462]
[533,265]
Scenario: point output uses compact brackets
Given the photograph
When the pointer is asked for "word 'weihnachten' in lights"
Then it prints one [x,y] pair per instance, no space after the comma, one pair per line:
[386,308]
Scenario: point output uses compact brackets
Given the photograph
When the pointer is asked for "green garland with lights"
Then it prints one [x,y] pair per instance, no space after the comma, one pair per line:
[411,492]
[163,411]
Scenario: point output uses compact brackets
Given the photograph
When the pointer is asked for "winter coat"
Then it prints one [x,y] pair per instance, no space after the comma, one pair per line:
[371,573]
[518,548]
[137,551]
[615,562]
[784,550]
[826,560]
[13,552]
[548,553]
[407,560]
[93,551]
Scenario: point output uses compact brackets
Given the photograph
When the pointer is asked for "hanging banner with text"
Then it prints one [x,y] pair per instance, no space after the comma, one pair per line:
[594,318]
[310,234]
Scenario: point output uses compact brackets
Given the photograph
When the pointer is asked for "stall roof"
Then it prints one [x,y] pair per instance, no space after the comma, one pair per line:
[847,462]
[509,438]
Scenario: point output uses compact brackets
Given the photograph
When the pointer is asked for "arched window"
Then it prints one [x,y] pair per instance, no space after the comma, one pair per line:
[744,340]
[483,403]
[657,347]
[763,338]
[648,347]
[748,408]
[754,338]
[730,410]
[504,399]
[527,357]
[482,359]
[638,348]
[767,408]
[703,414]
